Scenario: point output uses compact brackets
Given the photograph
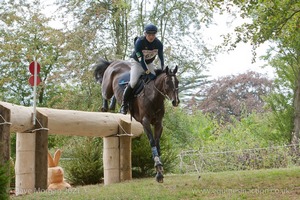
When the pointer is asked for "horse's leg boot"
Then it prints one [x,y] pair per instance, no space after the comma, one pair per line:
[126,95]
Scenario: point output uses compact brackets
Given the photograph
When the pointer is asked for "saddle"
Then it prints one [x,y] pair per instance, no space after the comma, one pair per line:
[124,80]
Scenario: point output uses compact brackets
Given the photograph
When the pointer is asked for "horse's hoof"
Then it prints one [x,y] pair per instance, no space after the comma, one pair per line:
[112,108]
[159,177]
[104,109]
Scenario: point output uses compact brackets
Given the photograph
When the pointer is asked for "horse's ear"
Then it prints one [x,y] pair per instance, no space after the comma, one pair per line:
[166,69]
[175,70]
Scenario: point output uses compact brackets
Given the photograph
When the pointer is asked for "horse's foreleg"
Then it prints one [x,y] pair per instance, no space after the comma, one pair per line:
[147,129]
[157,134]
[112,105]
[158,164]
[104,105]
[155,153]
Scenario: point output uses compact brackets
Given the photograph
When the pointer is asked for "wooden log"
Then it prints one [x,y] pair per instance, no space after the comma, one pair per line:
[125,150]
[68,122]
[41,152]
[20,117]
[71,122]
[5,139]
[25,163]
[96,124]
[111,160]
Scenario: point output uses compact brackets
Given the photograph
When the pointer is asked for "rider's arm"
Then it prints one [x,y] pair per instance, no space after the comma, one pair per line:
[161,56]
[139,54]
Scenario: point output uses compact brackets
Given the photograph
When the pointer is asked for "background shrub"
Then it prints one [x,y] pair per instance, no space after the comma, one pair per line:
[84,162]
[4,181]
[142,161]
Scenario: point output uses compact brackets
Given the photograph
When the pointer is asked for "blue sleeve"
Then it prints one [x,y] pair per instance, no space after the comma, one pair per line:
[161,56]
[139,53]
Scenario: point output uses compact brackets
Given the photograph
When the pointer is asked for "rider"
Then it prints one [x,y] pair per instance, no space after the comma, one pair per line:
[145,50]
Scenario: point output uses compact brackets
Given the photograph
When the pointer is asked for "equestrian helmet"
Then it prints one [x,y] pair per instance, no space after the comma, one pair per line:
[151,29]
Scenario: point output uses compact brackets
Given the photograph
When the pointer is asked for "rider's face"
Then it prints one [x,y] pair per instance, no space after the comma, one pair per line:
[150,37]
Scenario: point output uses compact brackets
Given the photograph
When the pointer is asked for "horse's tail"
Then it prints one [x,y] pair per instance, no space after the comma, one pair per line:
[100,68]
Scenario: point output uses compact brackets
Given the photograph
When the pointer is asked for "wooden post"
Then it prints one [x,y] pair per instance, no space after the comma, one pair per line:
[25,163]
[111,159]
[5,138]
[41,152]
[125,150]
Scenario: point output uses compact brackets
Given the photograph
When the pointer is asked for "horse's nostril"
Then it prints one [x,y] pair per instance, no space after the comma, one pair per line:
[174,103]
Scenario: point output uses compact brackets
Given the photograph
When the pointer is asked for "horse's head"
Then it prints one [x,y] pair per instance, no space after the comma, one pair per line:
[170,85]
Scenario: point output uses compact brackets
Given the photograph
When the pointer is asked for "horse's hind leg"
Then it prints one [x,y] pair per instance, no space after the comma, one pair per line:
[104,105]
[112,105]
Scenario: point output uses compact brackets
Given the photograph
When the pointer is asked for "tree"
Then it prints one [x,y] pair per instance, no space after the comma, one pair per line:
[181,24]
[276,22]
[100,27]
[26,36]
[115,24]
[233,96]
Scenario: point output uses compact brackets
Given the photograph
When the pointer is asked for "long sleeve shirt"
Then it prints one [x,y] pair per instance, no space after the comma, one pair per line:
[145,52]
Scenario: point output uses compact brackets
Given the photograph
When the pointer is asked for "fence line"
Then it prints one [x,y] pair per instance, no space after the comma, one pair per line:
[243,159]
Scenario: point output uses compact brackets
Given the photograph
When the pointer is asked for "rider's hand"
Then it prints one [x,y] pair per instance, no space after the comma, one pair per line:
[152,76]
[147,71]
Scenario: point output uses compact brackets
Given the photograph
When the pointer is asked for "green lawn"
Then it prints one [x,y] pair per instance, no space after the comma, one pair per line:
[259,184]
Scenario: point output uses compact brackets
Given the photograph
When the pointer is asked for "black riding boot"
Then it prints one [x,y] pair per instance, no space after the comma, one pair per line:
[126,96]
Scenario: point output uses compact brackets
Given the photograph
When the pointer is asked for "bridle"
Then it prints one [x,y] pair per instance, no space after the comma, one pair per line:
[160,92]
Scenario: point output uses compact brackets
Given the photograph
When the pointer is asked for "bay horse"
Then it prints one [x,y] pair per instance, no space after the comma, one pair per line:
[147,107]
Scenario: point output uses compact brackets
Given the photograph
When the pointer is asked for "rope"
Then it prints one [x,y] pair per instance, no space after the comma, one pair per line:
[119,125]
[5,122]
[37,129]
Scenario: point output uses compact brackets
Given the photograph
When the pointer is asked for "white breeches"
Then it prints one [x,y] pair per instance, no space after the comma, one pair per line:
[137,70]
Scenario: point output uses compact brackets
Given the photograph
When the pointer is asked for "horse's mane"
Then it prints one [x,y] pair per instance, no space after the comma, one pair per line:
[158,72]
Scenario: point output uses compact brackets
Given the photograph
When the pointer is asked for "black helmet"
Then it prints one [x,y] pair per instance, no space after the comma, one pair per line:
[151,29]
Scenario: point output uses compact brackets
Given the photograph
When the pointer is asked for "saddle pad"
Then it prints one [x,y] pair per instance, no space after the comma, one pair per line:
[124,80]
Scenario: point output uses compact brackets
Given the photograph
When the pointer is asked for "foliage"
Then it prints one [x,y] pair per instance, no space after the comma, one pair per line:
[86,163]
[252,131]
[113,25]
[188,131]
[4,181]
[142,161]
[235,160]
[233,96]
[276,22]
[28,37]
[283,114]
[198,131]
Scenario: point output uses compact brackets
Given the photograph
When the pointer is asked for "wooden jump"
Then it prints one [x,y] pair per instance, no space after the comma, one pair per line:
[32,141]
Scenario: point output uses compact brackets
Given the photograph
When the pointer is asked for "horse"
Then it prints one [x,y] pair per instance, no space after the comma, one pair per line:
[147,107]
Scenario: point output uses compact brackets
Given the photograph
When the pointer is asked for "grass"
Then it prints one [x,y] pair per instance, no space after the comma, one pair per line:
[258,184]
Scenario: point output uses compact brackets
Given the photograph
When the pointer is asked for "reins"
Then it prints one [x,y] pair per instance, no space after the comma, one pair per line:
[164,95]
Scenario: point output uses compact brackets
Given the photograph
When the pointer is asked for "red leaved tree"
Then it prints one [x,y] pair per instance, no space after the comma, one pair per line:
[234,95]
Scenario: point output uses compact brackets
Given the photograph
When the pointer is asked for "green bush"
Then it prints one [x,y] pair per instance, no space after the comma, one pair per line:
[142,161]
[84,163]
[4,182]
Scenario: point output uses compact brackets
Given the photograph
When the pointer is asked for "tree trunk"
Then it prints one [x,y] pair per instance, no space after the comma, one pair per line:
[296,133]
